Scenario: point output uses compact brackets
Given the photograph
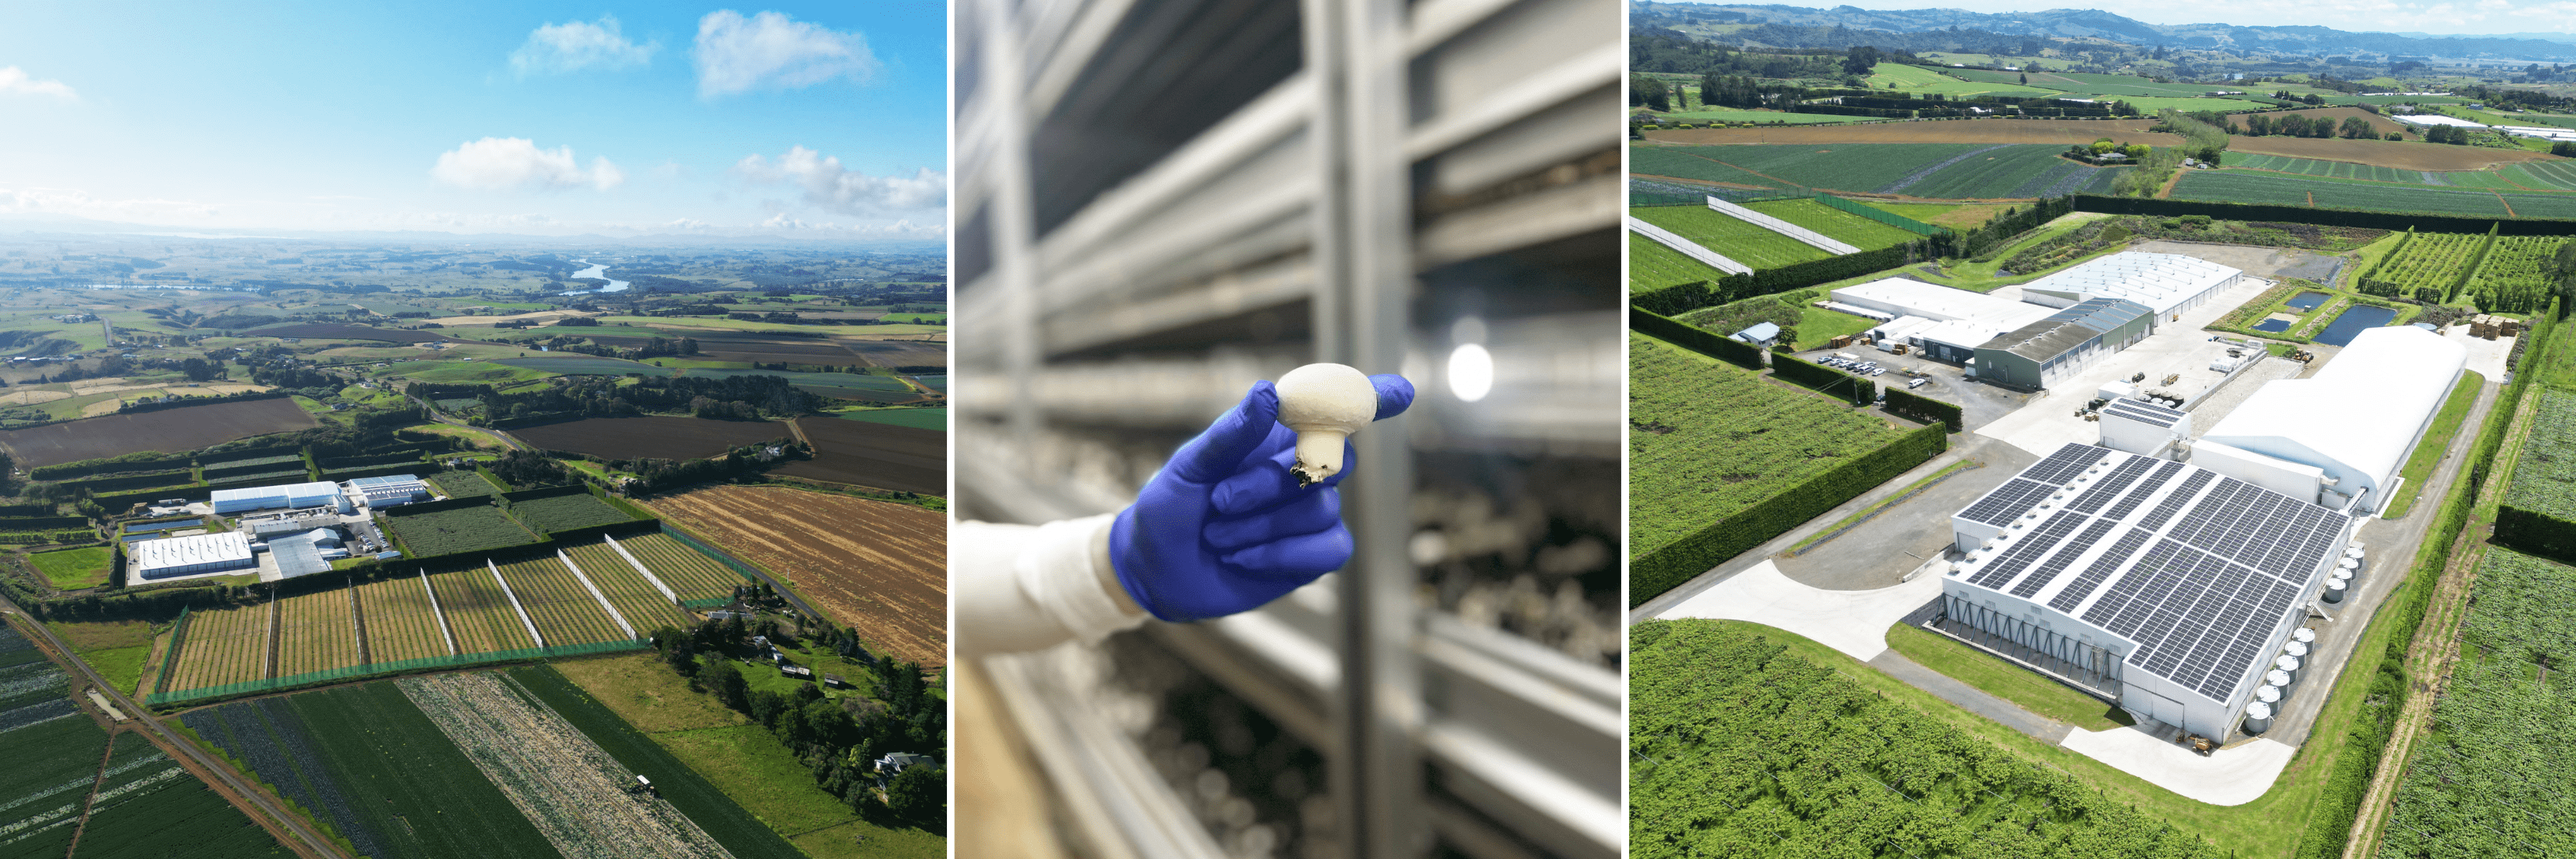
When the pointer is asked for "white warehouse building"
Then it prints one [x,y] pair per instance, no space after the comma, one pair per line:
[2167,587]
[2340,436]
[2165,283]
[179,556]
[321,493]
[1947,324]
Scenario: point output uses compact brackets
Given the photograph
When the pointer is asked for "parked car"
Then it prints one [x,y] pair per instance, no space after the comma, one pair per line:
[1917,383]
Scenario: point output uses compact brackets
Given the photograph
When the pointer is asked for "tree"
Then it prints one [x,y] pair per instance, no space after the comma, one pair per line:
[726,681]
[1860,59]
[919,795]
[1651,92]
[2025,79]
[2358,128]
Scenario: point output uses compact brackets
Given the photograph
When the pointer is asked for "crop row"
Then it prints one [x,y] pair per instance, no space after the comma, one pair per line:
[268,738]
[31,683]
[402,623]
[690,574]
[52,764]
[565,612]
[2545,479]
[1651,266]
[464,484]
[1835,223]
[408,782]
[2244,186]
[478,612]
[182,817]
[316,632]
[2490,778]
[641,602]
[562,782]
[2545,175]
[2515,277]
[465,529]
[1738,240]
[223,646]
[742,835]
[2430,261]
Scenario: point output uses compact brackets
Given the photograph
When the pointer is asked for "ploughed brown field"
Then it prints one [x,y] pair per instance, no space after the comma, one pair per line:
[2401,154]
[714,346]
[874,455]
[650,437]
[878,568]
[167,430]
[902,353]
[348,332]
[2066,131]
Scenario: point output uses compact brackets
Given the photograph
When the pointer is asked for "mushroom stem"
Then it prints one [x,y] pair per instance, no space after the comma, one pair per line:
[1319,455]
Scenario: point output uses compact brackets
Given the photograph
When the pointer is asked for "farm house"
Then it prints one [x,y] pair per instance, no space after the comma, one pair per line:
[180,556]
[2167,587]
[2166,284]
[322,493]
[2308,439]
[390,491]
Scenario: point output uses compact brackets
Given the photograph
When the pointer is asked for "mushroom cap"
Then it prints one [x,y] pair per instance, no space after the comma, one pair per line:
[1327,396]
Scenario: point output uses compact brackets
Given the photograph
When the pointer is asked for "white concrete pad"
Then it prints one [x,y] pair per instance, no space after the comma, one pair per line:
[1854,622]
[2049,422]
[2229,776]
[2486,357]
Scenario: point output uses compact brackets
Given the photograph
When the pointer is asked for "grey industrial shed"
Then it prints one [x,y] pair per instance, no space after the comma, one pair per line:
[2042,353]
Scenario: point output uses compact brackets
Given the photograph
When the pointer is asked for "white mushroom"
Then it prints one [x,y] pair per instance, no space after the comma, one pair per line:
[1325,404]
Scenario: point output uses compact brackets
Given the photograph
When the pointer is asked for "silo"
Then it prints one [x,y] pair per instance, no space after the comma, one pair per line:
[2258,717]
[2334,590]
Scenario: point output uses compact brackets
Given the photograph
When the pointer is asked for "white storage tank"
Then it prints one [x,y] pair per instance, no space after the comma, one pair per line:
[2334,591]
[2278,679]
[2296,648]
[2267,694]
[2288,665]
[2304,635]
[2258,717]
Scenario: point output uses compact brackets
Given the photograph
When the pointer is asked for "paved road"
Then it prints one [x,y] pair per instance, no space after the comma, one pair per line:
[313,844]
[1971,699]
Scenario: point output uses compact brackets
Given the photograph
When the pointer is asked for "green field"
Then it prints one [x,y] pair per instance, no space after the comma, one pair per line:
[929,419]
[1652,266]
[2339,169]
[2246,186]
[466,529]
[73,569]
[586,365]
[2515,278]
[2490,777]
[2429,261]
[2005,680]
[2009,172]
[2551,175]
[2544,480]
[1695,162]
[689,790]
[463,484]
[1741,746]
[1720,454]
[1939,170]
[566,512]
[1835,223]
[463,371]
[859,381]
[1921,81]
[1735,239]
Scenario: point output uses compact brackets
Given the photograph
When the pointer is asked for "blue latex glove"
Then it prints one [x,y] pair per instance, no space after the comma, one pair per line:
[1224,527]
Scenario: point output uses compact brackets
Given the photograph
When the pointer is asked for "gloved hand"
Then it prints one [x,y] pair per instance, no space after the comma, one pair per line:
[1224,527]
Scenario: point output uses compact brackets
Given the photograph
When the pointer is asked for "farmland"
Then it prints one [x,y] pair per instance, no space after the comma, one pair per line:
[2400,154]
[73,569]
[2428,261]
[478,613]
[2058,132]
[566,512]
[643,604]
[650,437]
[1746,748]
[148,807]
[220,647]
[2248,186]
[1860,232]
[691,575]
[564,611]
[463,484]
[1933,170]
[691,794]
[566,785]
[874,455]
[2542,175]
[316,632]
[2515,276]
[1652,266]
[1697,456]
[2489,778]
[465,529]
[587,365]
[365,759]
[2544,481]
[166,430]
[116,649]
[876,567]
[347,332]
[934,419]
[402,624]
[1738,240]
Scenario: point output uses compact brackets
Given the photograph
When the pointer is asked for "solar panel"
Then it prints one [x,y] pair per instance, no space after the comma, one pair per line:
[2165,509]
[2007,502]
[2130,599]
[2066,463]
[2146,487]
[2110,485]
[2139,405]
[2123,410]
[2101,568]
[2065,557]
[2009,564]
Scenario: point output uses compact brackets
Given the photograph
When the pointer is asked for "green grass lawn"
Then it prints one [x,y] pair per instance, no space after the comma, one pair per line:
[121,667]
[1956,216]
[2437,439]
[464,371]
[1981,276]
[929,419]
[756,770]
[117,648]
[2005,680]
[1818,326]
[73,569]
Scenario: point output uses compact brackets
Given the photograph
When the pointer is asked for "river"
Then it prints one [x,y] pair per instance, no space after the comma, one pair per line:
[600,272]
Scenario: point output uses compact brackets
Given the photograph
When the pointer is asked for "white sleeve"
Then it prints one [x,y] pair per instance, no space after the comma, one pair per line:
[1019,587]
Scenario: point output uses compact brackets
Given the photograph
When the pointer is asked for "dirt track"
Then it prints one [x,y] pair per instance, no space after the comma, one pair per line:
[2067,131]
[876,567]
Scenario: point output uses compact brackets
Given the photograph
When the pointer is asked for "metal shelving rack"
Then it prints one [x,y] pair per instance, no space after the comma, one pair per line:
[1162,200]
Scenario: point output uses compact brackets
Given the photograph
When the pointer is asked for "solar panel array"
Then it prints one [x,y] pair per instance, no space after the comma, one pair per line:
[2143,412]
[2199,582]
[2008,501]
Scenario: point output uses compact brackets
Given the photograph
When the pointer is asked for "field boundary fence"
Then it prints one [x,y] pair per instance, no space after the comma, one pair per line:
[429,663]
[1882,216]
[169,660]
[746,571]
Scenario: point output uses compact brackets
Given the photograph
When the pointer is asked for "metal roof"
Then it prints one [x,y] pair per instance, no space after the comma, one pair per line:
[2159,281]
[320,488]
[388,480]
[190,550]
[1759,331]
[2068,328]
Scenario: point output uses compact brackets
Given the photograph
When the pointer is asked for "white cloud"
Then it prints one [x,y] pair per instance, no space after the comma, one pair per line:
[14,81]
[768,51]
[576,45]
[830,186]
[59,201]
[505,163]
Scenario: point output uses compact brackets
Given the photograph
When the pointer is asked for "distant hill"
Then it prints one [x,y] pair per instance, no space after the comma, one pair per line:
[1785,22]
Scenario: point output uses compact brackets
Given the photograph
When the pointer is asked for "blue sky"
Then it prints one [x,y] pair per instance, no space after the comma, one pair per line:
[2467,17]
[820,120]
